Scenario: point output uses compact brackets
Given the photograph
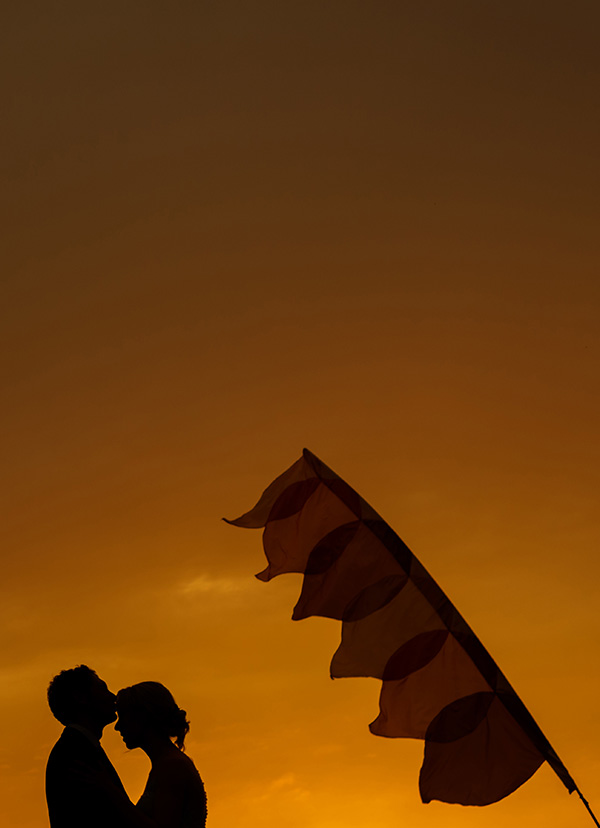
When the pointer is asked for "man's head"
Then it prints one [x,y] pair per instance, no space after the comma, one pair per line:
[79,696]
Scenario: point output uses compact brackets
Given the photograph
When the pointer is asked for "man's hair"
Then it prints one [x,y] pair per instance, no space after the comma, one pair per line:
[66,689]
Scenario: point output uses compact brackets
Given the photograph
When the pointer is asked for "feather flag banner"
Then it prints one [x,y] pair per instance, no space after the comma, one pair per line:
[439,683]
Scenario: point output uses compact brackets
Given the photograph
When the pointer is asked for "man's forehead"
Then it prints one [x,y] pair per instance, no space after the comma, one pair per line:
[100,683]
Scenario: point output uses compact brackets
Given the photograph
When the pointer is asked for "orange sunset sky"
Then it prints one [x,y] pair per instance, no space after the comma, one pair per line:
[234,229]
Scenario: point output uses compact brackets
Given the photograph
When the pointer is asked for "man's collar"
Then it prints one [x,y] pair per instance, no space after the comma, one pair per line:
[87,733]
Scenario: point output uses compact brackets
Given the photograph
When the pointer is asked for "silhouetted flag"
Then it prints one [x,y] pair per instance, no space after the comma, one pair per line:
[438,681]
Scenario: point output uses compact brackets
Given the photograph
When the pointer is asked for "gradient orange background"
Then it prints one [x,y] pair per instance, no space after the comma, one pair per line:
[235,229]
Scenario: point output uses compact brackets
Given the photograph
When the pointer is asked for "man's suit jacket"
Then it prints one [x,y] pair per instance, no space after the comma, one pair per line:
[77,774]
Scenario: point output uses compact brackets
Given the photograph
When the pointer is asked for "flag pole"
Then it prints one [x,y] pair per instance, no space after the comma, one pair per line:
[587,805]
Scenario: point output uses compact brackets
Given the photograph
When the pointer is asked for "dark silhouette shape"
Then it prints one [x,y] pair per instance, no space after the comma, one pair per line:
[83,790]
[439,683]
[150,719]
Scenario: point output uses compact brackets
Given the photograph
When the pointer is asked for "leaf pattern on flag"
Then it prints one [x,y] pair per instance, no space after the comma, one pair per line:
[439,683]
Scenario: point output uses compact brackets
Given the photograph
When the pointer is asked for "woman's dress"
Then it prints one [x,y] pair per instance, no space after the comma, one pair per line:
[191,795]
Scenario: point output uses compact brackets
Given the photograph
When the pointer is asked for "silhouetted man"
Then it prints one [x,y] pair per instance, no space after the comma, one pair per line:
[83,790]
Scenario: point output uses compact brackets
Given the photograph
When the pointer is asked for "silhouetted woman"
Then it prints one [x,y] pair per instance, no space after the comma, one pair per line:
[150,719]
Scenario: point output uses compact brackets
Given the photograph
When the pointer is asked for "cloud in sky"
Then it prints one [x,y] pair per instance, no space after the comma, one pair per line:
[203,585]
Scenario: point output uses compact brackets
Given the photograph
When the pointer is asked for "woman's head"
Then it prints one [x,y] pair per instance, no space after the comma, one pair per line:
[148,708]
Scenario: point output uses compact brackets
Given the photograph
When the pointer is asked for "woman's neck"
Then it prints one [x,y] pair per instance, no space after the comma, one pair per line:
[158,747]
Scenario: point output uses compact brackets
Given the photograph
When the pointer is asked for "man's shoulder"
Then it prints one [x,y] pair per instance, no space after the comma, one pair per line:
[71,739]
[76,777]
[71,745]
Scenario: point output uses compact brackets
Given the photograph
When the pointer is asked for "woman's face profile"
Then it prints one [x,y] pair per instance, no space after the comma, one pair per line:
[131,727]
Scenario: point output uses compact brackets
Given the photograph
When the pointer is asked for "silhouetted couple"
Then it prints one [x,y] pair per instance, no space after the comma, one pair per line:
[83,789]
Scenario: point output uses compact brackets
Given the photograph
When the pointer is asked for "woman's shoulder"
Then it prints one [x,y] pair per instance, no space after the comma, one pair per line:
[179,765]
